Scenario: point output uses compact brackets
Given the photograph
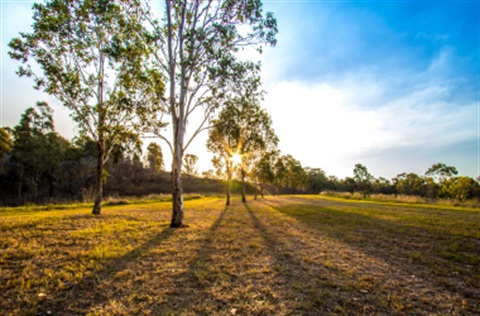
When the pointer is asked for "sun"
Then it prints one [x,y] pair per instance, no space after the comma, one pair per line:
[236,158]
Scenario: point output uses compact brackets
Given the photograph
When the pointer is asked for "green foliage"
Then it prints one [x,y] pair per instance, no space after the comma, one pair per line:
[409,184]
[37,150]
[190,160]
[264,168]
[317,180]
[382,186]
[441,171]
[290,177]
[155,157]
[244,130]
[44,167]
[6,145]
[363,179]
[94,59]
[460,188]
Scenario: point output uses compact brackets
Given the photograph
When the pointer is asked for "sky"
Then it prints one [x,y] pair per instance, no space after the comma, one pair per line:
[393,85]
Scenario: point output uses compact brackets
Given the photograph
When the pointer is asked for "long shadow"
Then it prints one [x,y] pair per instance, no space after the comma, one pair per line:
[77,298]
[347,225]
[188,287]
[394,243]
[335,289]
[422,214]
[372,231]
[305,288]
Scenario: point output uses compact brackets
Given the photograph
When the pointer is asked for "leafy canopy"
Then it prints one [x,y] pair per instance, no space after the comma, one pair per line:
[94,60]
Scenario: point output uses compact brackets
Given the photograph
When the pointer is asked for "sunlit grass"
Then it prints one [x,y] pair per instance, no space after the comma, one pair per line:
[403,199]
[276,256]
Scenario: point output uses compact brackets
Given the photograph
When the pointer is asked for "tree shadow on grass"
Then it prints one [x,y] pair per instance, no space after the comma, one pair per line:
[290,288]
[189,287]
[414,250]
[290,273]
[381,235]
[308,292]
[221,279]
[80,297]
[419,217]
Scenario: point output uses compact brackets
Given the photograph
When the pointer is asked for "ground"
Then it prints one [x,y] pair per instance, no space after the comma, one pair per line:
[283,255]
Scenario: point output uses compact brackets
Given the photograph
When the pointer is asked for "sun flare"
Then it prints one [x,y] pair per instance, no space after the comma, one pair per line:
[236,158]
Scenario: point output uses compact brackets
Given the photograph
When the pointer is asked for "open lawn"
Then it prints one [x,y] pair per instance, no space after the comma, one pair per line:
[284,255]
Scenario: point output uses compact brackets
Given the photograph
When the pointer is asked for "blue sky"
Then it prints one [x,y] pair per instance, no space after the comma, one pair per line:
[389,84]
[392,85]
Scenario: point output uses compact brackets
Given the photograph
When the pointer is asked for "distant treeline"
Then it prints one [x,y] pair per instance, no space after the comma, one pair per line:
[440,181]
[37,165]
[49,169]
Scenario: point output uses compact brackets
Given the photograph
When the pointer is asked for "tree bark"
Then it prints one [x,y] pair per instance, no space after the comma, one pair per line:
[177,185]
[227,189]
[256,189]
[229,180]
[244,199]
[177,121]
[101,138]
[177,196]
[228,194]
[99,180]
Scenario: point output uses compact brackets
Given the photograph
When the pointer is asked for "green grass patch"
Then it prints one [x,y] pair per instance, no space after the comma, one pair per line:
[286,255]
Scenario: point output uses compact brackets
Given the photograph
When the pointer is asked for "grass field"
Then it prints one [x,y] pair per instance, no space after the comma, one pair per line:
[287,255]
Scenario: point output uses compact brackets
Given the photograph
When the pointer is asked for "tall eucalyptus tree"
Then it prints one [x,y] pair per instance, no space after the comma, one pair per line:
[197,46]
[93,58]
[244,130]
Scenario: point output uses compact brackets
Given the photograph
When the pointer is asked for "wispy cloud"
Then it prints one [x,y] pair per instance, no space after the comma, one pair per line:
[393,85]
[333,124]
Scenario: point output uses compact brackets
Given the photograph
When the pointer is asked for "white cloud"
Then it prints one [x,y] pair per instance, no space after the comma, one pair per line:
[322,115]
[327,125]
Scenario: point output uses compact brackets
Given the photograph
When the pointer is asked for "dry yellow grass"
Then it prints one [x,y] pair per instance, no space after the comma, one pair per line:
[277,256]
